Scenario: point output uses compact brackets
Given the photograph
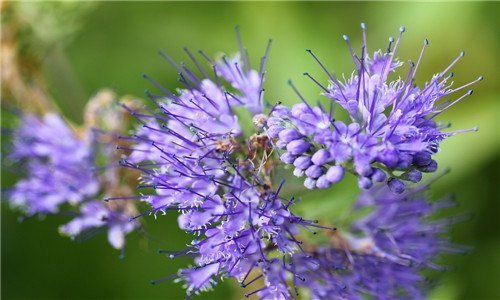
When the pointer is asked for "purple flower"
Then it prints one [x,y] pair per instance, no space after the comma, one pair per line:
[248,82]
[193,154]
[381,256]
[95,214]
[59,166]
[392,122]
[61,177]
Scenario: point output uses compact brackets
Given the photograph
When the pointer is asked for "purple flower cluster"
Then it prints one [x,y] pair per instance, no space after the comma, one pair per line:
[59,166]
[391,134]
[193,154]
[95,214]
[195,130]
[195,159]
[382,255]
[61,177]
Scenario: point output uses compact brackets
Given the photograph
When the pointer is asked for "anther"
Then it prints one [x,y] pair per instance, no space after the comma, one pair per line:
[391,40]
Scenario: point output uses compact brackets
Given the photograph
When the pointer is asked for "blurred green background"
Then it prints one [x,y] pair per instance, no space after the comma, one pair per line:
[118,41]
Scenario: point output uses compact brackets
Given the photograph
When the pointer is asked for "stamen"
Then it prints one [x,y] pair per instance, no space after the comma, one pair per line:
[452,103]
[239,257]
[170,61]
[190,74]
[426,43]
[196,62]
[157,85]
[317,83]
[451,133]
[365,44]
[300,96]
[173,254]
[217,79]
[251,281]
[234,97]
[239,71]
[229,66]
[353,55]
[254,292]
[480,78]
[332,78]
[201,108]
[274,107]
[154,97]
[282,182]
[124,198]
[402,29]
[183,80]
[388,62]
[206,57]
[462,54]
[242,49]
[263,60]
[215,105]
[391,40]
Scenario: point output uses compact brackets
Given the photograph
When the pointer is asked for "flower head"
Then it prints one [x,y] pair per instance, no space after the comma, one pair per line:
[62,174]
[95,214]
[192,152]
[383,254]
[391,134]
[58,163]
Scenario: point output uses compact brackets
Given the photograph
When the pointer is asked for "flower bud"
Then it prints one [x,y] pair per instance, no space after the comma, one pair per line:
[287,158]
[378,175]
[298,147]
[396,185]
[323,183]
[314,171]
[364,182]
[335,174]
[298,172]
[321,157]
[302,162]
[422,159]
[289,134]
[412,175]
[310,183]
[273,131]
[432,167]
